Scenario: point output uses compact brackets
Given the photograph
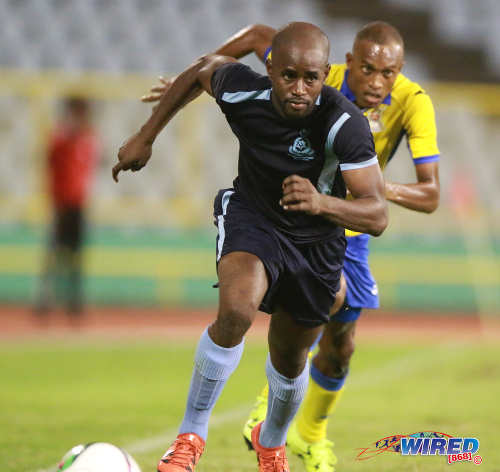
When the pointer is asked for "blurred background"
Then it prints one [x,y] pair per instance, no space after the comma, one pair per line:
[150,238]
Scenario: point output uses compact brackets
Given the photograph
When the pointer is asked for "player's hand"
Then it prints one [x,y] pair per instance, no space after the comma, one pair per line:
[157,91]
[299,194]
[133,155]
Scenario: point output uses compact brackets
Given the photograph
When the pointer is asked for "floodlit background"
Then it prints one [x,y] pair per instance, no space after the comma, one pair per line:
[424,361]
[151,238]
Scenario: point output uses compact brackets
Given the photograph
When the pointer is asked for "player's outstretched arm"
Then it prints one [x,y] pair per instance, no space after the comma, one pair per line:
[136,151]
[420,196]
[366,212]
[251,39]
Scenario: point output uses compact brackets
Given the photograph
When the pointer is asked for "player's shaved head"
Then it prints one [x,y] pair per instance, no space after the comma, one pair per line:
[380,32]
[298,68]
[305,36]
[375,62]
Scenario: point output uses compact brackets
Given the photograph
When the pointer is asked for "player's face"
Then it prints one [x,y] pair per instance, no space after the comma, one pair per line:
[76,119]
[297,76]
[373,68]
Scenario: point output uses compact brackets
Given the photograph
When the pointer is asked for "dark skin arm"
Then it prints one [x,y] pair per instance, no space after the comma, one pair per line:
[136,151]
[420,196]
[366,212]
[251,39]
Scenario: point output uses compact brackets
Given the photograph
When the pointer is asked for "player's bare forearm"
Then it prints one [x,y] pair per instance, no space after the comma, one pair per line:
[184,86]
[196,77]
[136,152]
[251,39]
[421,196]
[366,213]
[417,197]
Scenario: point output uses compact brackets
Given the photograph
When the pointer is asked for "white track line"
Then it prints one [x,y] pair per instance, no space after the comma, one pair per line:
[400,367]
[164,439]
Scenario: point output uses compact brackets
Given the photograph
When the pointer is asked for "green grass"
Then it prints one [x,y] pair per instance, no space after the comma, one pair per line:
[55,394]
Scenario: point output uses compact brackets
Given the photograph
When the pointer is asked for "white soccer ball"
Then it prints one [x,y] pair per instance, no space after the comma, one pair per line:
[98,457]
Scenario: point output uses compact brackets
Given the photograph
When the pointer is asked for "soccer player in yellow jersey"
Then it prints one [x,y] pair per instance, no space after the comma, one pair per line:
[395,107]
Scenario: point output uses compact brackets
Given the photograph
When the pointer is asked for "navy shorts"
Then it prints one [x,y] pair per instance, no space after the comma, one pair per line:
[303,278]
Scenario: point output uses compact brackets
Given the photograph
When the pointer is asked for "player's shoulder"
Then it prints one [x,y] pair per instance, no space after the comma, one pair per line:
[336,104]
[335,77]
[235,76]
[406,92]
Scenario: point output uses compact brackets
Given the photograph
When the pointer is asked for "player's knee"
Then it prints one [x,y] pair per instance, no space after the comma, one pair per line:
[345,350]
[335,355]
[338,362]
[289,360]
[232,323]
[343,345]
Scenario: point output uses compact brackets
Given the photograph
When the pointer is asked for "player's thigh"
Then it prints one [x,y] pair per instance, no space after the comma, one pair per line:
[242,282]
[289,343]
[340,296]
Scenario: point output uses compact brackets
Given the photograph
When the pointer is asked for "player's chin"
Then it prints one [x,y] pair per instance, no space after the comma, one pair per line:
[370,101]
[298,110]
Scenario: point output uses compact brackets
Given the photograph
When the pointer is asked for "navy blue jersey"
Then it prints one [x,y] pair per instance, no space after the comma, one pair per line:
[334,137]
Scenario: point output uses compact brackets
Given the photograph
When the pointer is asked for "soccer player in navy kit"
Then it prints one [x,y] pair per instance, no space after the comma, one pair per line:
[281,239]
[395,107]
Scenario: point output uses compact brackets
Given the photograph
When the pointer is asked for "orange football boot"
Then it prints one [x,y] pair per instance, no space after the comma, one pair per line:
[271,459]
[183,454]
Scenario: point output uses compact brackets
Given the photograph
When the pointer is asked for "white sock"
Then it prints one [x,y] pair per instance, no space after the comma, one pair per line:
[213,366]
[285,396]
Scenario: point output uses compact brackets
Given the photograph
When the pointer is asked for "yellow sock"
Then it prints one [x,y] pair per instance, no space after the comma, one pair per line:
[318,405]
[265,392]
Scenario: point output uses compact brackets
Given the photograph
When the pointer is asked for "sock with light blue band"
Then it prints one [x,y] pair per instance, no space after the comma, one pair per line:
[285,396]
[214,364]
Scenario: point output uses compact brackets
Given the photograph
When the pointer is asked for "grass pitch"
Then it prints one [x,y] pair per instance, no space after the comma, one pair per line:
[57,393]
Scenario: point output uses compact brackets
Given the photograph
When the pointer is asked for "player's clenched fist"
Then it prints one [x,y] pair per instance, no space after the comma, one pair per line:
[299,194]
[133,155]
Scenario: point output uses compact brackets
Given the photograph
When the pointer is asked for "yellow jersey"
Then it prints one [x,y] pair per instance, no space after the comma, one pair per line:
[406,112]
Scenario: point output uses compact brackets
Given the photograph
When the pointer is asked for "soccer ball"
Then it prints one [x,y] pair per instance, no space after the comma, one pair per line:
[98,457]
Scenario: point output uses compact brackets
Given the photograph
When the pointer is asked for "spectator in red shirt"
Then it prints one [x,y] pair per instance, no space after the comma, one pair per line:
[71,158]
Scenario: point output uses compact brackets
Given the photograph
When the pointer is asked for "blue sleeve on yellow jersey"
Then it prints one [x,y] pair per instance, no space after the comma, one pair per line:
[426,159]
[267,53]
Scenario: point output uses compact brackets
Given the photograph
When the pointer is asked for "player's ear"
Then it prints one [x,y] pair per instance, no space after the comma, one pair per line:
[327,70]
[269,67]
[348,59]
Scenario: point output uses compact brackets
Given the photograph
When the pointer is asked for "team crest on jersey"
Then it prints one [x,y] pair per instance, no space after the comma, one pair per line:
[301,148]
[375,119]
